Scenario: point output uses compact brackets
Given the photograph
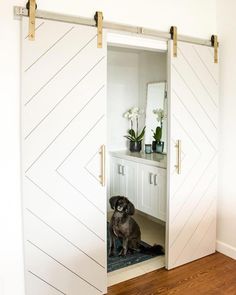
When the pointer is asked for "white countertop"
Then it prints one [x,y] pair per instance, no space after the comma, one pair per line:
[154,159]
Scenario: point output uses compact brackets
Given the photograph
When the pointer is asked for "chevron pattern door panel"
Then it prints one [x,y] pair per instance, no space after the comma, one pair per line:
[193,114]
[63,129]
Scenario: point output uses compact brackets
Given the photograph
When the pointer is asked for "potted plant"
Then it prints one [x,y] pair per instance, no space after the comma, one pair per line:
[135,138]
[157,144]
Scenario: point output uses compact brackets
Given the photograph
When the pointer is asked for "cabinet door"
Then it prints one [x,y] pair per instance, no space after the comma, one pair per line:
[147,191]
[193,117]
[129,181]
[63,128]
[116,179]
[160,184]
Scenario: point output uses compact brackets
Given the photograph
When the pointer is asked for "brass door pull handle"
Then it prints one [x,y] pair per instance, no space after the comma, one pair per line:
[178,165]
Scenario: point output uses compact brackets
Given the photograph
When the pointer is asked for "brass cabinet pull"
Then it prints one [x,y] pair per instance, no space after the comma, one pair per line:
[178,165]
[103,165]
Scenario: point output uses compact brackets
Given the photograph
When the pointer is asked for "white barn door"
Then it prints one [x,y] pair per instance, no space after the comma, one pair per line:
[193,114]
[63,129]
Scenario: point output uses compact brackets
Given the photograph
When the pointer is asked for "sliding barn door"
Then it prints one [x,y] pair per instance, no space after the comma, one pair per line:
[63,129]
[193,129]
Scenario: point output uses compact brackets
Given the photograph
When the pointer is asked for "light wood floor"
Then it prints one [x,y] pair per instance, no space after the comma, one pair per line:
[213,275]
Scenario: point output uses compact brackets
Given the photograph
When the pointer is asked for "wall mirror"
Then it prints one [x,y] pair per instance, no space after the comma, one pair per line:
[156,99]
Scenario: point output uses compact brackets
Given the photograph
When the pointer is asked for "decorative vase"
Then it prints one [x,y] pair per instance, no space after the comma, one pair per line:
[154,143]
[158,146]
[135,146]
[148,148]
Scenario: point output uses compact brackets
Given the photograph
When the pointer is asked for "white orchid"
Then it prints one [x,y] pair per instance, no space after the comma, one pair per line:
[160,114]
[133,116]
[133,113]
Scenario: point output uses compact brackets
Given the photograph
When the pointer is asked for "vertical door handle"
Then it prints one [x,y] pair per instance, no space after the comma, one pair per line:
[103,165]
[150,178]
[178,165]
[155,179]
[123,170]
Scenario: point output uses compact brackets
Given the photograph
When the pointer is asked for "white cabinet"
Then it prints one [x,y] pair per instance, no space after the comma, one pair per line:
[144,185]
[152,191]
[129,183]
[123,179]
[115,176]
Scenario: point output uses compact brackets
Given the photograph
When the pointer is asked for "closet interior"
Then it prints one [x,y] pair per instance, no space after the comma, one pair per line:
[137,100]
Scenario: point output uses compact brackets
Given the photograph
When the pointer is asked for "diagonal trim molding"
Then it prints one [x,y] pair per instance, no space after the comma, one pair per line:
[61,69]
[54,44]
[75,188]
[64,223]
[57,261]
[193,193]
[41,24]
[46,282]
[66,210]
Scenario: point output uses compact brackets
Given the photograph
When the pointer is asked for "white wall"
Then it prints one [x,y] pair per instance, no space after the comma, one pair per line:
[11,267]
[226,226]
[129,71]
[122,93]
[197,18]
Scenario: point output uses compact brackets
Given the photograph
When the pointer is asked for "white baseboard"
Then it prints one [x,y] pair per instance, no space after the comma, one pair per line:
[226,249]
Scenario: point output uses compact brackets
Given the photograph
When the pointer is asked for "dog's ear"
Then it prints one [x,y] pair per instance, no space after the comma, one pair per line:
[113,201]
[130,208]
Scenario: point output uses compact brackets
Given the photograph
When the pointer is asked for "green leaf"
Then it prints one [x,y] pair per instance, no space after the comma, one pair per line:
[141,135]
[157,134]
[129,138]
[131,132]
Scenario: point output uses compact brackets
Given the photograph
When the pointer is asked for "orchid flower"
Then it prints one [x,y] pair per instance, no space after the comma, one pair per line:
[133,115]
[160,114]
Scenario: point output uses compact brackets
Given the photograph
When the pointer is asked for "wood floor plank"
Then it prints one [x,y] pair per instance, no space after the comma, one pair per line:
[213,275]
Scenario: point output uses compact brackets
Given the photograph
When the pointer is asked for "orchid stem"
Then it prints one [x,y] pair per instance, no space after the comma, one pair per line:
[137,126]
